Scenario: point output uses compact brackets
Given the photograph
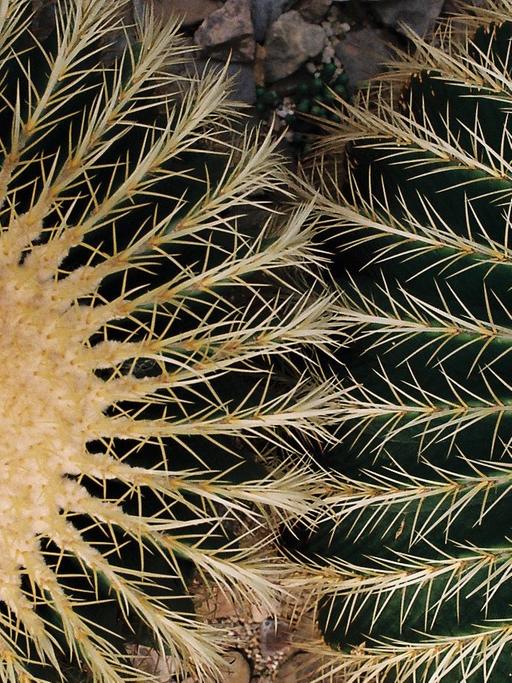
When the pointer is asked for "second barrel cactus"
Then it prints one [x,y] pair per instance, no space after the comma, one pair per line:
[413,549]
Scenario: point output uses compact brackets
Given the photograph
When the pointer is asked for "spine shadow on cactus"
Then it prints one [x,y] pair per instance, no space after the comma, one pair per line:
[412,552]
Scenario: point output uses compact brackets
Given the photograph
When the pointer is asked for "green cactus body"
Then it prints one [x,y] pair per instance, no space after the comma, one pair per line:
[141,316]
[413,550]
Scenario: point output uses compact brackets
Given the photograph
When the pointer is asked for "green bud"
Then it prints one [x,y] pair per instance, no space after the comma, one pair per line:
[304,106]
[328,71]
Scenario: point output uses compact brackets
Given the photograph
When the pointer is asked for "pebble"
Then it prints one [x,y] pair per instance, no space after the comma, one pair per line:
[363,53]
[290,42]
[313,10]
[243,85]
[228,32]
[238,668]
[328,54]
[264,13]
[418,15]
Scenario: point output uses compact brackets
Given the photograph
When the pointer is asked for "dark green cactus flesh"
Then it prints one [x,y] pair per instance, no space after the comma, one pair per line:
[416,540]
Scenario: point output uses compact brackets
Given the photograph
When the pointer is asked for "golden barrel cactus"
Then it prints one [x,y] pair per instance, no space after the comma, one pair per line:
[142,314]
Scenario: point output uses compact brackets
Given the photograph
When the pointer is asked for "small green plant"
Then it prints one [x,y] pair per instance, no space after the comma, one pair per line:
[412,551]
[143,318]
[314,96]
[319,89]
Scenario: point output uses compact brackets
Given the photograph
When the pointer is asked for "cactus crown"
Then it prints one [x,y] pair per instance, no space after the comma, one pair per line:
[413,551]
[141,314]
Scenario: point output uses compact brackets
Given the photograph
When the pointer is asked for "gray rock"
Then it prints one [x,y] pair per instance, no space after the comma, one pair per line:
[228,32]
[420,15]
[238,669]
[242,85]
[290,42]
[363,53]
[264,13]
[313,10]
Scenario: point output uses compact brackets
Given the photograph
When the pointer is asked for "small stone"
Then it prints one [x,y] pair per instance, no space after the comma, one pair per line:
[238,669]
[264,13]
[290,42]
[418,15]
[228,32]
[313,10]
[190,11]
[328,54]
[242,86]
[363,53]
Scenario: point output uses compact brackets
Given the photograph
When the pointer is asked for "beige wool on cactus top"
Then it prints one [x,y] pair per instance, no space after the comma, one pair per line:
[51,402]
[98,211]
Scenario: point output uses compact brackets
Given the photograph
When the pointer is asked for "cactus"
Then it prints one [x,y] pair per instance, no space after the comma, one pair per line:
[145,323]
[411,555]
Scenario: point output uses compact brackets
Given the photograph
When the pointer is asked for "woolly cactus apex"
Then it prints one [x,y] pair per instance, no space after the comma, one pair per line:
[412,554]
[142,314]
